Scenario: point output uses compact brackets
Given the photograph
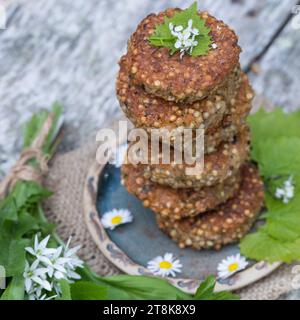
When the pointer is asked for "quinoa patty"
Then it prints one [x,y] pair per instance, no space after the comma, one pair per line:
[148,111]
[218,165]
[174,203]
[234,121]
[190,78]
[227,223]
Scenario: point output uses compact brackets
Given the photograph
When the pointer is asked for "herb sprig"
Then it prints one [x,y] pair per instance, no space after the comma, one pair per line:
[185,32]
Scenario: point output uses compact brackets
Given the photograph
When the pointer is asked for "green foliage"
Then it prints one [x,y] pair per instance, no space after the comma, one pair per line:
[206,291]
[15,289]
[34,125]
[163,37]
[276,149]
[124,287]
[86,290]
[65,290]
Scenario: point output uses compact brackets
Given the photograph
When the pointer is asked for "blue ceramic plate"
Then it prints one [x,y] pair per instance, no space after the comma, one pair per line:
[131,246]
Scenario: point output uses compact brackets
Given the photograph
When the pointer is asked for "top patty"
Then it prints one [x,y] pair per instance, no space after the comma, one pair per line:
[187,79]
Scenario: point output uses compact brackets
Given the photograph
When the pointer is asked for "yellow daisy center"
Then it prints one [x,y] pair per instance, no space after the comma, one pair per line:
[165,265]
[233,266]
[116,220]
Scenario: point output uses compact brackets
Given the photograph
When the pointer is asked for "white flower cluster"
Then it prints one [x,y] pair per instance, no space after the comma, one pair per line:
[185,37]
[286,193]
[50,265]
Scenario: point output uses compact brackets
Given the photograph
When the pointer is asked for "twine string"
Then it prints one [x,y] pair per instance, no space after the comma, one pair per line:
[22,170]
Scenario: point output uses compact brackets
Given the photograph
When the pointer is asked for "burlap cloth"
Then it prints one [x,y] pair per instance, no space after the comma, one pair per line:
[65,208]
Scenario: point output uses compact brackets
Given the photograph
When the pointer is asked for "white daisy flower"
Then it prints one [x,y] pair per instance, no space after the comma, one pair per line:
[165,266]
[119,157]
[231,265]
[286,193]
[115,217]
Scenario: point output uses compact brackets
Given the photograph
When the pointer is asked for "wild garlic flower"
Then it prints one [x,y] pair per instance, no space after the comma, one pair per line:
[231,265]
[50,265]
[286,193]
[165,266]
[185,41]
[35,275]
[40,250]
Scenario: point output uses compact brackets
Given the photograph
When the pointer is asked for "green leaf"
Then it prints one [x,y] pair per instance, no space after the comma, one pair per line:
[163,37]
[141,287]
[26,193]
[276,149]
[34,125]
[261,246]
[15,289]
[65,290]
[12,254]
[8,210]
[206,291]
[284,225]
[272,125]
[84,290]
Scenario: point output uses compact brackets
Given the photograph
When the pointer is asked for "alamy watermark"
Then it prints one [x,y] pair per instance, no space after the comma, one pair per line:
[154,146]
[296,18]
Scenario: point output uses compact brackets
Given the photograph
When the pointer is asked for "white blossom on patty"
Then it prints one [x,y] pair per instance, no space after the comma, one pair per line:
[231,265]
[185,38]
[115,217]
[165,266]
[286,193]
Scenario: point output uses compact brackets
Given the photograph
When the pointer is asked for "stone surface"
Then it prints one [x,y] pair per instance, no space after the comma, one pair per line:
[67,51]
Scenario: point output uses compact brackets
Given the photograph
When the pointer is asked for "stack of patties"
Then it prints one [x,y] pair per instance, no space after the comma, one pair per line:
[158,90]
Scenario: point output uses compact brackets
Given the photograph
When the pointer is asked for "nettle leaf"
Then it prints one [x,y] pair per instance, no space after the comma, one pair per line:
[272,125]
[261,246]
[276,149]
[163,37]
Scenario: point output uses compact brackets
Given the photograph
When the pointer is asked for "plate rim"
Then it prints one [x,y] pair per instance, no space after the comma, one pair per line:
[124,263]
